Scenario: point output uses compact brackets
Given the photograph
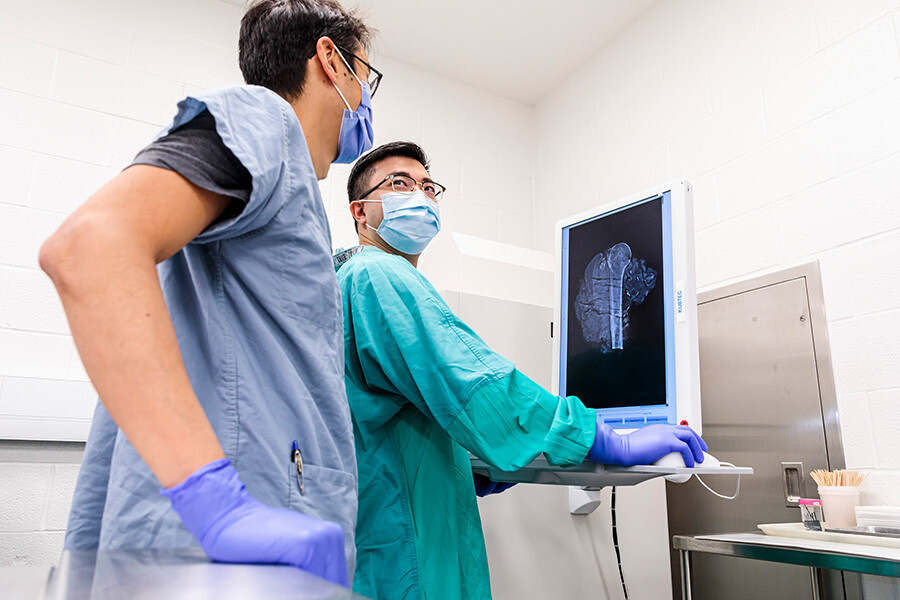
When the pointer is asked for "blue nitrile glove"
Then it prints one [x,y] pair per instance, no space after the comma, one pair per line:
[646,445]
[485,486]
[233,526]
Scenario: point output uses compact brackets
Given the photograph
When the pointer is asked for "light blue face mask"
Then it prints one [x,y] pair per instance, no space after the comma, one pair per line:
[410,221]
[357,133]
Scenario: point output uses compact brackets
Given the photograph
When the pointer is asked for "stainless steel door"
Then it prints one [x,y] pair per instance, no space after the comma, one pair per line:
[761,407]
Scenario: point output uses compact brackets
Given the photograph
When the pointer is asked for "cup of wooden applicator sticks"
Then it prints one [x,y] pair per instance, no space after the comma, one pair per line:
[839,492]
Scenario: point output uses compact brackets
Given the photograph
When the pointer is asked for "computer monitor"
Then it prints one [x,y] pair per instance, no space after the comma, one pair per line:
[626,310]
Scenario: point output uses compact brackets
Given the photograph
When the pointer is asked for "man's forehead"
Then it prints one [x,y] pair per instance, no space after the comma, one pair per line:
[399,164]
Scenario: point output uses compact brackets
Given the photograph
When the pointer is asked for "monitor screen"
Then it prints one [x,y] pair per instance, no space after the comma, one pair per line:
[616,324]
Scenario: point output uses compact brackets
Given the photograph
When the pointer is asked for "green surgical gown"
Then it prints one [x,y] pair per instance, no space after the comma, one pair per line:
[424,390]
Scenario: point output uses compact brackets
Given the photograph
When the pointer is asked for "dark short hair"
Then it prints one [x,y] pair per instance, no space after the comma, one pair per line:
[278,37]
[363,169]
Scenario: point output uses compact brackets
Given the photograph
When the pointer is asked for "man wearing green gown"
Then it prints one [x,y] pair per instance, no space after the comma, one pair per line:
[425,390]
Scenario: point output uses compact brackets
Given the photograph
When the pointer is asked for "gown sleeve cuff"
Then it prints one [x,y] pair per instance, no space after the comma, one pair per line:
[508,422]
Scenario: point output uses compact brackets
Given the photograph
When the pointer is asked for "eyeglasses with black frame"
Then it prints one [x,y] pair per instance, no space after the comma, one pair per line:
[405,184]
[374,74]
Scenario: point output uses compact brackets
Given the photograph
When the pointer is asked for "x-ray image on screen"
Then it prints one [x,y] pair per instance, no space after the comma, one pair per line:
[615,329]
[612,282]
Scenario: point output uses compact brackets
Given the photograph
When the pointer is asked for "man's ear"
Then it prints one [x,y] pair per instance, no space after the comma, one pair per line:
[328,58]
[357,211]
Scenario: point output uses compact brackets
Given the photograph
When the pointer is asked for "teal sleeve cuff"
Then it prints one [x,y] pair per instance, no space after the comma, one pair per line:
[510,421]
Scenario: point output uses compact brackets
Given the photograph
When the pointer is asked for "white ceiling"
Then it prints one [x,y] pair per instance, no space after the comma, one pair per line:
[518,49]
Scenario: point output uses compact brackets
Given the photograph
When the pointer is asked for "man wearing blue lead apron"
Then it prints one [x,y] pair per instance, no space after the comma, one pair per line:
[200,293]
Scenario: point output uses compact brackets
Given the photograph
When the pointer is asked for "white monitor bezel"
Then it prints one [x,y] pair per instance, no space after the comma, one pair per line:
[687,354]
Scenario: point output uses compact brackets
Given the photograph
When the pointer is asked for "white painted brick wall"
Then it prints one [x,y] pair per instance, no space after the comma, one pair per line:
[32,304]
[842,210]
[114,89]
[786,117]
[847,70]
[35,509]
[837,19]
[48,127]
[867,128]
[21,509]
[16,167]
[22,231]
[61,184]
[874,277]
[884,407]
[26,66]
[34,354]
[83,87]
[95,28]
[777,169]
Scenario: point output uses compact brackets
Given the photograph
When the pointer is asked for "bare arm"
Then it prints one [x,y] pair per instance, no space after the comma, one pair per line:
[103,262]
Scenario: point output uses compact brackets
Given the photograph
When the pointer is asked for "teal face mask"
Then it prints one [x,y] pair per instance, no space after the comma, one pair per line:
[410,221]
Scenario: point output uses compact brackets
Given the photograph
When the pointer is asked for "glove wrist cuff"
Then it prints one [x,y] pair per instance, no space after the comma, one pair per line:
[607,447]
[206,495]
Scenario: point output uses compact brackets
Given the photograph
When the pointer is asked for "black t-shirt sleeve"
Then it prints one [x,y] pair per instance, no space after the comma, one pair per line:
[196,152]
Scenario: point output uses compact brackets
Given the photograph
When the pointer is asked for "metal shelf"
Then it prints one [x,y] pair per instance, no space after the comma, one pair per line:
[593,475]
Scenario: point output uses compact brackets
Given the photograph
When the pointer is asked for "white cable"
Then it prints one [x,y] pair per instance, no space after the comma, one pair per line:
[737,489]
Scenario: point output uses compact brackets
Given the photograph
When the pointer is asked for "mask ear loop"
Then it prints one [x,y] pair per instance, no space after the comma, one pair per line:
[347,104]
[366,200]
[355,76]
[737,489]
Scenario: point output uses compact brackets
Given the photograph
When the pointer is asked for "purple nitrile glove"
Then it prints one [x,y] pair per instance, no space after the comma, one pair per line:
[646,445]
[485,486]
[233,526]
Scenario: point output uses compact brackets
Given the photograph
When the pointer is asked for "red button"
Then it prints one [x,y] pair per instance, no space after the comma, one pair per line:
[683,422]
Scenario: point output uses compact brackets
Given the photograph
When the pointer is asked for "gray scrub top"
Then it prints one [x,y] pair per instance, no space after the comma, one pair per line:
[257,311]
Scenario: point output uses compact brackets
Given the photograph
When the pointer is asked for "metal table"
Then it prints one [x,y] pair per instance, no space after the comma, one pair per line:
[858,558]
[173,574]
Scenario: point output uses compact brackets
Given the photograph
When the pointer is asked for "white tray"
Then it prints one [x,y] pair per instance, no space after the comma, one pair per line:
[797,530]
[878,516]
